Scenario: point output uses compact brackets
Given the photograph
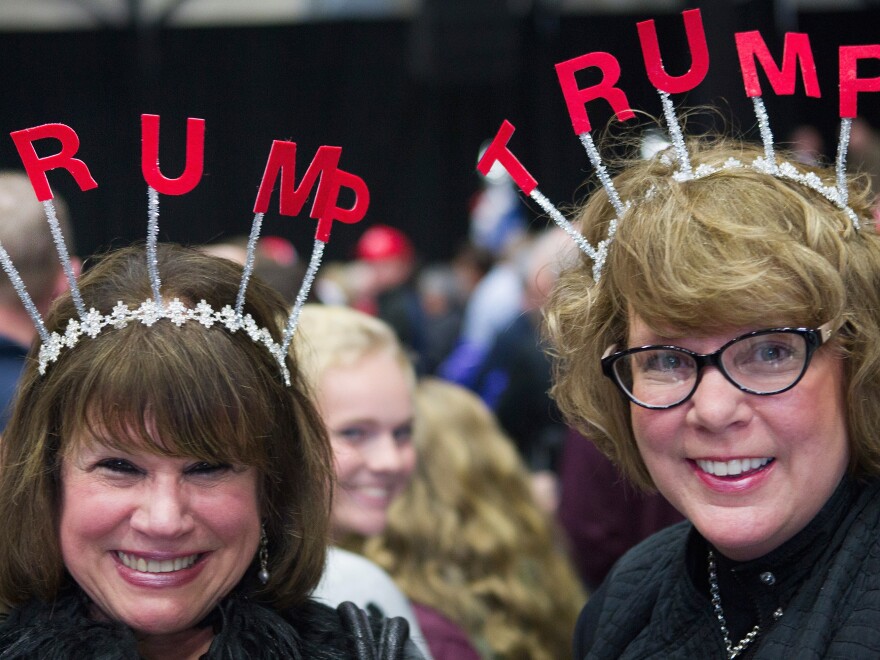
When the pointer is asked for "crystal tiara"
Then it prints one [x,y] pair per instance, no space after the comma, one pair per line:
[281,164]
[752,50]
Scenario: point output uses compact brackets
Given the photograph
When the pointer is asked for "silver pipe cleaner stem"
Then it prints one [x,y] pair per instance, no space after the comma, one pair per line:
[675,134]
[314,264]
[602,172]
[563,223]
[840,165]
[25,297]
[49,207]
[764,127]
[152,238]
[248,262]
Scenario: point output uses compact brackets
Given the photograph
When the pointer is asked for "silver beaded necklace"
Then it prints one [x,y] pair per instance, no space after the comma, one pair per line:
[732,651]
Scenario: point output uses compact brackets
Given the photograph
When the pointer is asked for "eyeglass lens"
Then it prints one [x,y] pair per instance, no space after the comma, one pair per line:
[764,364]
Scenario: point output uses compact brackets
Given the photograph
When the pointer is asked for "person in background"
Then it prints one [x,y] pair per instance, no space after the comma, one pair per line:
[385,260]
[442,300]
[602,513]
[276,261]
[27,238]
[495,289]
[514,378]
[363,382]
[468,542]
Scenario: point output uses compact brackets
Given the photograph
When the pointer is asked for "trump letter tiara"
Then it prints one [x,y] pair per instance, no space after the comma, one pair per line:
[281,163]
[752,50]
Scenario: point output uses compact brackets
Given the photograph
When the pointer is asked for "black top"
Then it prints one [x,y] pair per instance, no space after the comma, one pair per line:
[243,630]
[826,581]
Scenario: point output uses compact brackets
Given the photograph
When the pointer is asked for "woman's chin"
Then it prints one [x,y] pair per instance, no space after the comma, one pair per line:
[741,536]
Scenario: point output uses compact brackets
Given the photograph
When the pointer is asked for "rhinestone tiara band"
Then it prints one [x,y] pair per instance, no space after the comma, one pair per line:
[148,313]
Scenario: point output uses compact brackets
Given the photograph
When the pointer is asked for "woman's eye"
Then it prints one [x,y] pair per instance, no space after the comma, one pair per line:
[207,468]
[772,353]
[662,361]
[118,465]
[352,434]
[403,434]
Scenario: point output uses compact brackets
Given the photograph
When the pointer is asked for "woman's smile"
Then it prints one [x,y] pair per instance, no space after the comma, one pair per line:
[145,564]
[155,541]
[735,468]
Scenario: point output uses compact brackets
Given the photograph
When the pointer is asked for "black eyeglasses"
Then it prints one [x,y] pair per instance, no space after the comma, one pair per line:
[762,362]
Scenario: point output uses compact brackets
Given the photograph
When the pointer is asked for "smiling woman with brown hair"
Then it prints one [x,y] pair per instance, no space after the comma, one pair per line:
[729,357]
[164,490]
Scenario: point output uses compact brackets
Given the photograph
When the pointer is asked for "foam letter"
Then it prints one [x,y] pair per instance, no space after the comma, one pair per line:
[37,167]
[576,99]
[334,181]
[696,38]
[282,159]
[850,84]
[498,152]
[195,156]
[751,46]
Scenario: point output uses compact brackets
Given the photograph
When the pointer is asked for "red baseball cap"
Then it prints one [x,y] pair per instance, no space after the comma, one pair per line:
[383,242]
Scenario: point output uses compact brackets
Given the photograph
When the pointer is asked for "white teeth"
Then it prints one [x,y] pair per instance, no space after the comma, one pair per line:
[154,565]
[732,468]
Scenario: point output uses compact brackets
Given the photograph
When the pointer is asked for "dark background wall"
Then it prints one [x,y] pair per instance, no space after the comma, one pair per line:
[410,102]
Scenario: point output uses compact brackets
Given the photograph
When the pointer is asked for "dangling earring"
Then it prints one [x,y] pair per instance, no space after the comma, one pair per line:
[263,575]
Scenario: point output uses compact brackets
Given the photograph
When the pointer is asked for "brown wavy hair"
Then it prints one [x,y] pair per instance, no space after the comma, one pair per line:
[207,393]
[735,248]
[467,538]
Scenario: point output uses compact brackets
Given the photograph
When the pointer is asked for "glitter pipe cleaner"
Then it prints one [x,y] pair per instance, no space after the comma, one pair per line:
[675,134]
[256,225]
[764,128]
[597,254]
[500,153]
[840,163]
[152,238]
[25,297]
[602,172]
[293,320]
[57,237]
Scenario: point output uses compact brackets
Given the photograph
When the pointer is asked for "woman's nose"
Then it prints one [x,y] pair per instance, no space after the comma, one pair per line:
[387,455]
[163,510]
[717,403]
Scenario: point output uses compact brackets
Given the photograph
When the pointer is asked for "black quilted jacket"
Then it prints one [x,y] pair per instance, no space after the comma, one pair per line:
[826,582]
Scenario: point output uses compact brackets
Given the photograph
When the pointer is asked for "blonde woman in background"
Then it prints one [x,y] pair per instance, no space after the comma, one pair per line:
[363,382]
[468,539]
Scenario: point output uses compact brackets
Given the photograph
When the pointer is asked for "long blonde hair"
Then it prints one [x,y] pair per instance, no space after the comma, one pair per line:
[468,539]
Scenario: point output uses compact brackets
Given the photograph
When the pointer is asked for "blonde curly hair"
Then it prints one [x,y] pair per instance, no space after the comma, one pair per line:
[468,539]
